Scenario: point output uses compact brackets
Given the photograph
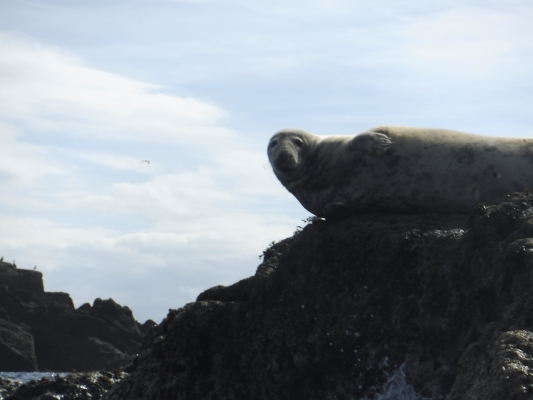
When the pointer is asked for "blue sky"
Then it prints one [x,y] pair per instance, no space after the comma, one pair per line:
[90,89]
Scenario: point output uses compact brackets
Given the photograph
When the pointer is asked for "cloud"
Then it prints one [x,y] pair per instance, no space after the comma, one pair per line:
[127,163]
[47,91]
[474,42]
[79,203]
[77,200]
[355,44]
[174,231]
[24,164]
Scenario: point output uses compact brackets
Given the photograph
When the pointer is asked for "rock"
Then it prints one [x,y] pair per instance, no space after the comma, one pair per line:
[148,324]
[102,336]
[20,278]
[122,331]
[7,387]
[72,340]
[17,351]
[497,369]
[339,308]
[77,386]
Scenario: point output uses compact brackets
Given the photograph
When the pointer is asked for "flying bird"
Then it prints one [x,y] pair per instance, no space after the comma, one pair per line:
[146,161]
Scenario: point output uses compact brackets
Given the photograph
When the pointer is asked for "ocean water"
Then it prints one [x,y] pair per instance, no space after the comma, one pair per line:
[396,387]
[29,376]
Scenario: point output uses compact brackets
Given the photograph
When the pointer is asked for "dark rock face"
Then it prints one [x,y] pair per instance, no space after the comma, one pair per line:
[332,312]
[497,369]
[17,352]
[85,341]
[20,278]
[77,386]
[49,334]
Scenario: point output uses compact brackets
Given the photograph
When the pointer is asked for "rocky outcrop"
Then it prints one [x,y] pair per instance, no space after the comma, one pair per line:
[76,386]
[15,278]
[336,310]
[42,330]
[17,351]
[498,368]
[7,387]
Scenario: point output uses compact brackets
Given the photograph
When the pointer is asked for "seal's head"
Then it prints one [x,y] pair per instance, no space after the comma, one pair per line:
[286,150]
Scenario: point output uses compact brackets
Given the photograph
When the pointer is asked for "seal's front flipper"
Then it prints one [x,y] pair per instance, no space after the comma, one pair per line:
[336,210]
[371,142]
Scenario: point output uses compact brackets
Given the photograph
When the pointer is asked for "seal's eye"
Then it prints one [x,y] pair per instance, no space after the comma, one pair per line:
[273,143]
[298,142]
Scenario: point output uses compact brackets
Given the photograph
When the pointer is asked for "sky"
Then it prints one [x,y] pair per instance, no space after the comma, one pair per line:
[90,89]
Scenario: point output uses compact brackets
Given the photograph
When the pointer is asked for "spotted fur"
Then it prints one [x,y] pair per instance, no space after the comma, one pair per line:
[399,169]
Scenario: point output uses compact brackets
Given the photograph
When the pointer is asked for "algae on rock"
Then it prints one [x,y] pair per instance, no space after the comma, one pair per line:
[335,310]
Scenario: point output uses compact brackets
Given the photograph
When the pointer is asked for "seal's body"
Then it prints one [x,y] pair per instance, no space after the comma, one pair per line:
[403,169]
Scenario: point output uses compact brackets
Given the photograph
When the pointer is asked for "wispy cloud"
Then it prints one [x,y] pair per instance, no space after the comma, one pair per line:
[22,163]
[126,163]
[474,42]
[78,201]
[47,91]
[95,217]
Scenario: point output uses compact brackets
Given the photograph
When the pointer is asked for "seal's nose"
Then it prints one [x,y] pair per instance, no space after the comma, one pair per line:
[285,160]
[284,156]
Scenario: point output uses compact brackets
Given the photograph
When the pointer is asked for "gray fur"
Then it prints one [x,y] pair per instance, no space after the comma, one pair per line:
[399,169]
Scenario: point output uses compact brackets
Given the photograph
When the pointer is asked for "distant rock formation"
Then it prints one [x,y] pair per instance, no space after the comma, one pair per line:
[334,311]
[43,331]
[15,278]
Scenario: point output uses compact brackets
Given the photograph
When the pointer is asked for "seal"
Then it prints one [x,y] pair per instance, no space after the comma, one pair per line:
[399,169]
